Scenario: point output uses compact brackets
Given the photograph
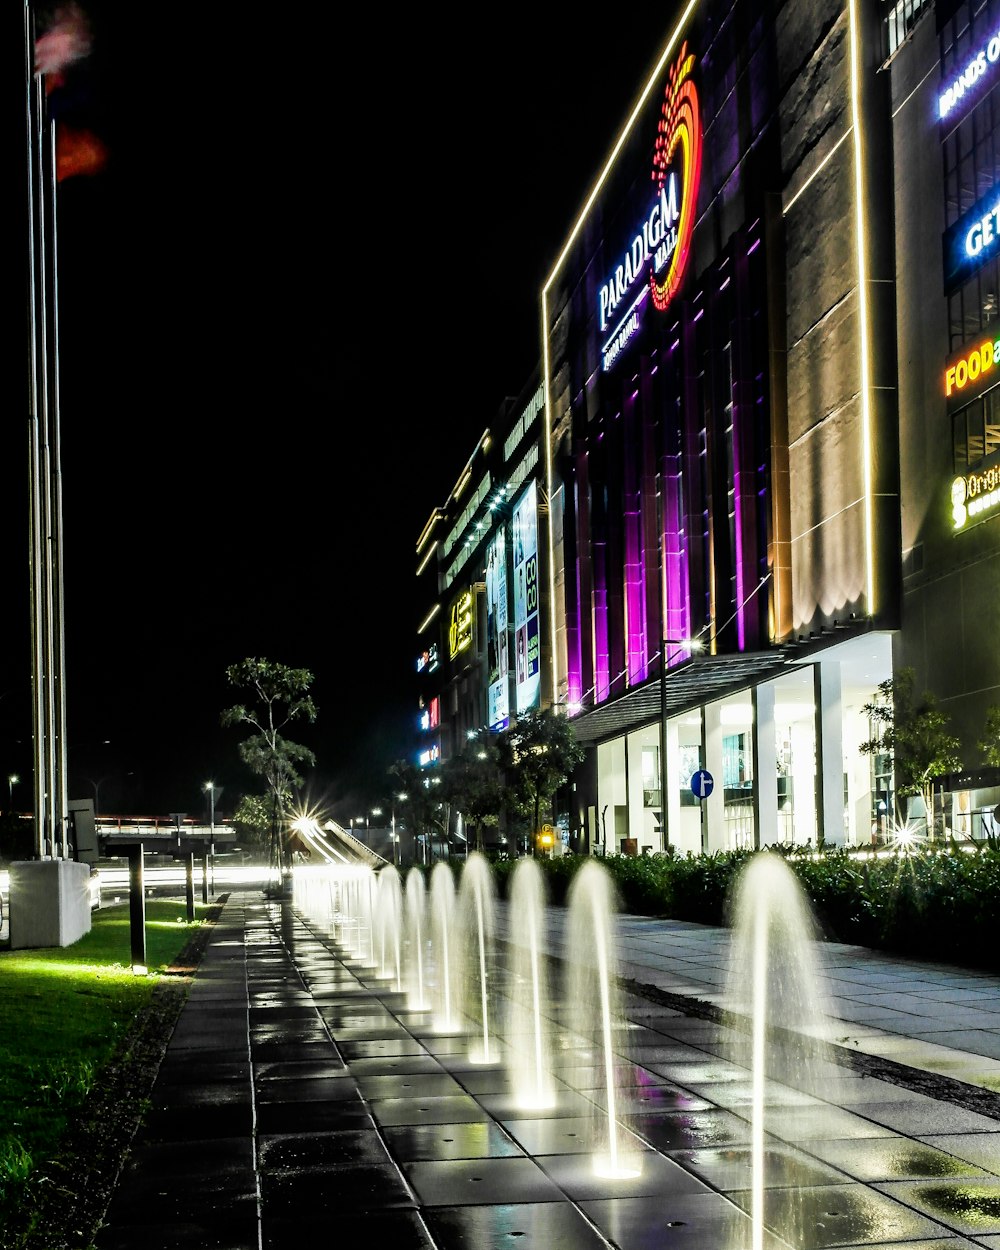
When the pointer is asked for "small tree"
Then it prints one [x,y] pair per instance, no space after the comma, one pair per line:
[914,732]
[473,782]
[422,808]
[252,819]
[538,753]
[278,695]
[989,744]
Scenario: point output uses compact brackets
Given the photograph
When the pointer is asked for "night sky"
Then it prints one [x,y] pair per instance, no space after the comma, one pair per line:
[292,299]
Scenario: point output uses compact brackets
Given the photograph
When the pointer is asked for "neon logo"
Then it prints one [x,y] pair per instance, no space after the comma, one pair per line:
[977,361]
[460,625]
[680,126]
[662,243]
[970,76]
[975,494]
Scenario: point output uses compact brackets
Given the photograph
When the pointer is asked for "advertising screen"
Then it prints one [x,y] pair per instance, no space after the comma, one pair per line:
[527,657]
[496,630]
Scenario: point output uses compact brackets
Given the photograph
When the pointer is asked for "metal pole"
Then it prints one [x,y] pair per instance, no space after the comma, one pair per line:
[204,877]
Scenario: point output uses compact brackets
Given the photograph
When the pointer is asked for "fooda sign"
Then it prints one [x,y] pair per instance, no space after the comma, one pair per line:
[971,372]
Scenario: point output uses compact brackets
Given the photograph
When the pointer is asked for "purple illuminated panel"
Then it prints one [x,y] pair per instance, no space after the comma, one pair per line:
[602,652]
[676,600]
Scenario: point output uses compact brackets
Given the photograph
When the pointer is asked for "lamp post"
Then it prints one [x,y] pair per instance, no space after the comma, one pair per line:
[12,780]
[96,787]
[375,811]
[401,797]
[209,788]
[679,644]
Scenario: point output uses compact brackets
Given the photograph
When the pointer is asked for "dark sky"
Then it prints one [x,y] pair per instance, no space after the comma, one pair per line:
[291,301]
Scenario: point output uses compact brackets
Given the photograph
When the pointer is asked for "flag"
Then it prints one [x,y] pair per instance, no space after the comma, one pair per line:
[61,52]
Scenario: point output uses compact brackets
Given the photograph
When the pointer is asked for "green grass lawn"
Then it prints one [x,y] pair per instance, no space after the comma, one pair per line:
[64,1012]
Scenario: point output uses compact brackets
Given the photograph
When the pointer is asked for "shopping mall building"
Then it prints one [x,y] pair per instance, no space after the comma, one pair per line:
[759,468]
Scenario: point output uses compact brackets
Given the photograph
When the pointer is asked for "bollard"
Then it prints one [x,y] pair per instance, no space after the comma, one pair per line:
[189,885]
[137,906]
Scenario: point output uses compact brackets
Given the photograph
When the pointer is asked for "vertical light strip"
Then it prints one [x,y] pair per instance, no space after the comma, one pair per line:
[864,344]
[571,238]
[547,435]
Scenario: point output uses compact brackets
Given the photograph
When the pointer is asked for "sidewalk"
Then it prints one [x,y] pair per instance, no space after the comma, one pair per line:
[300,1099]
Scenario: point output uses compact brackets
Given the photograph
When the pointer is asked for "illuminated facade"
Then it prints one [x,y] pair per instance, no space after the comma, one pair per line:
[769,433]
[719,363]
[945,78]
[480,655]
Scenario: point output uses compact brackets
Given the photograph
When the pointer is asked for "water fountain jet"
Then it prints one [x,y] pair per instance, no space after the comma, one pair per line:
[415,916]
[444,950]
[476,927]
[595,1013]
[775,991]
[528,1034]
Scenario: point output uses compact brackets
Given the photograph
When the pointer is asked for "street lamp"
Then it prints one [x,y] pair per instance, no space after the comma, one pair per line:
[392,819]
[679,644]
[12,780]
[209,788]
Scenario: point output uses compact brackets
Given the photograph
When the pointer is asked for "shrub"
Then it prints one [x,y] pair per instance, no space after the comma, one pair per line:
[939,903]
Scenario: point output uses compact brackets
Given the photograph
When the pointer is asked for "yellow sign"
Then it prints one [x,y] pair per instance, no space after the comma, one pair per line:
[970,366]
[460,625]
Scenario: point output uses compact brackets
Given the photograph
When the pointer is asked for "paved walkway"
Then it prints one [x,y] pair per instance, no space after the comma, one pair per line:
[301,1099]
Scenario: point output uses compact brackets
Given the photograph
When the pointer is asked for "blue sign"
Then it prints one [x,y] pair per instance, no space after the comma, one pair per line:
[972,240]
[702,783]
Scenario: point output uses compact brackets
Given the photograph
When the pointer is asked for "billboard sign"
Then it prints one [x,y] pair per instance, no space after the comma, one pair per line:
[497,682]
[972,240]
[527,649]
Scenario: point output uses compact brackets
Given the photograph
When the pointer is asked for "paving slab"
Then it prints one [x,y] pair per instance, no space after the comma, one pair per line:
[302,1095]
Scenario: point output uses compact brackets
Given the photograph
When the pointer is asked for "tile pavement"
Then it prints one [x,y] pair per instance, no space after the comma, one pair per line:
[300,1098]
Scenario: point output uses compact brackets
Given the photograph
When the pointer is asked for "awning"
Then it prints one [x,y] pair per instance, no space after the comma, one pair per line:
[702,679]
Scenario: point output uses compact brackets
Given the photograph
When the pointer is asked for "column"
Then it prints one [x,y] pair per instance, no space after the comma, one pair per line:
[765,767]
[713,808]
[828,706]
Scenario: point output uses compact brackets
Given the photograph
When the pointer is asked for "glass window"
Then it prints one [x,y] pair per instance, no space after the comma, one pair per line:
[991,426]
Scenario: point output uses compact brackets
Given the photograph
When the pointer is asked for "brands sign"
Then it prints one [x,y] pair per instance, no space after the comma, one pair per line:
[969,76]
[653,264]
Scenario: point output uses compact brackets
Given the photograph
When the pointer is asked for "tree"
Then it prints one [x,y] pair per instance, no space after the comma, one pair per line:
[914,732]
[989,744]
[424,805]
[538,753]
[473,782]
[252,819]
[278,696]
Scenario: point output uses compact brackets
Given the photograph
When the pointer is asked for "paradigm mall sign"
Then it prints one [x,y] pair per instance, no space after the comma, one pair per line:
[654,263]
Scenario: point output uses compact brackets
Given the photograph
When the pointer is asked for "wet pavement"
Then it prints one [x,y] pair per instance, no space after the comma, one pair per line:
[301,1098]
